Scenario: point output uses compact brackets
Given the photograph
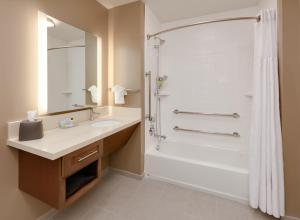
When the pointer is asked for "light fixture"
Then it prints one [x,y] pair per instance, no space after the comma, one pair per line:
[42,63]
[50,23]
[99,70]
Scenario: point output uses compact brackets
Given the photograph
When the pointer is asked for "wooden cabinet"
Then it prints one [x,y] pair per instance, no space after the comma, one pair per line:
[77,160]
[61,182]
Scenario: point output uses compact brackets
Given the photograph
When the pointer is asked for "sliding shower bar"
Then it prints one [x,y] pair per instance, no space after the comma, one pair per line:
[234,134]
[257,18]
[149,115]
[234,115]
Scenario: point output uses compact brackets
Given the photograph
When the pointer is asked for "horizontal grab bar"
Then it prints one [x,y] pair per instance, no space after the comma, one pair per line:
[234,115]
[234,134]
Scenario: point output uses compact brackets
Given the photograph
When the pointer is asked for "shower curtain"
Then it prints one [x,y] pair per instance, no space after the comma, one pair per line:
[266,181]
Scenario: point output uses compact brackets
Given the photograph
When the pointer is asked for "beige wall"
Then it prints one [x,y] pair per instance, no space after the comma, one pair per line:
[289,52]
[18,81]
[126,47]
[126,68]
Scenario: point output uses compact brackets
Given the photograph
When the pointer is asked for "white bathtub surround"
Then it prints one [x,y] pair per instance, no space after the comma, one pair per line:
[206,168]
[266,159]
[209,69]
[58,142]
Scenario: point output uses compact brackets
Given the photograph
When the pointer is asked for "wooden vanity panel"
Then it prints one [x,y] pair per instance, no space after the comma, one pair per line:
[46,179]
[71,163]
[41,178]
[117,141]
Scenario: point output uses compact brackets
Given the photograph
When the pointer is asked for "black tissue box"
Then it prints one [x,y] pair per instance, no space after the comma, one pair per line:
[31,130]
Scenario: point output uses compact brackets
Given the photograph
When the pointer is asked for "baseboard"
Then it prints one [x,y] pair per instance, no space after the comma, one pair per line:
[290,218]
[127,173]
[105,171]
[48,215]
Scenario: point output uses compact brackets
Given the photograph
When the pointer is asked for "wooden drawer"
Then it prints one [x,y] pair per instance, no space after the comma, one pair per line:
[77,160]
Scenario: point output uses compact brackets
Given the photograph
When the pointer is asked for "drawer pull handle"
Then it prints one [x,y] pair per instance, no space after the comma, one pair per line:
[87,156]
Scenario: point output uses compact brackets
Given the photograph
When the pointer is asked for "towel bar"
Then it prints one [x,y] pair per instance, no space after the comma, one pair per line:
[234,134]
[130,91]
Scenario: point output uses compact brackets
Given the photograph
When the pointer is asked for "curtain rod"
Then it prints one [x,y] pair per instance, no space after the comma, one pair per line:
[149,36]
[65,47]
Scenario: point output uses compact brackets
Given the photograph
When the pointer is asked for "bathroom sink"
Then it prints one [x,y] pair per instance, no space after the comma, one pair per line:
[105,123]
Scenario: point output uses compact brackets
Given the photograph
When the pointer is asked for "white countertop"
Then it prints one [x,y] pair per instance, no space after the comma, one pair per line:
[59,142]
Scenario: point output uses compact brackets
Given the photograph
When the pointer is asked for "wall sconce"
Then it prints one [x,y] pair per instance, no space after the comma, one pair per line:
[42,63]
[99,70]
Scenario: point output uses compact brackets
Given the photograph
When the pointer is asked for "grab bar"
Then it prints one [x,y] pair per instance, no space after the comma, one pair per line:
[149,115]
[234,134]
[234,115]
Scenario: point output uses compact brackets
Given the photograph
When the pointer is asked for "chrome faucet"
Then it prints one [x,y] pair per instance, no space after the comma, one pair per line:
[93,113]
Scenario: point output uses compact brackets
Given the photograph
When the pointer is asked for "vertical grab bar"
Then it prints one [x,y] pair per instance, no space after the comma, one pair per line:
[149,115]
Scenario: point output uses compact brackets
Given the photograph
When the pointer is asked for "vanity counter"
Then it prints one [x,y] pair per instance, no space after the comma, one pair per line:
[58,142]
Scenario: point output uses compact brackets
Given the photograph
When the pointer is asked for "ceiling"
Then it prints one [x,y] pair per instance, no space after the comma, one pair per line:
[171,10]
[114,3]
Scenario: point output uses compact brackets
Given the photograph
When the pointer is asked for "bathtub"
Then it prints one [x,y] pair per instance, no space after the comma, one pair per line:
[218,171]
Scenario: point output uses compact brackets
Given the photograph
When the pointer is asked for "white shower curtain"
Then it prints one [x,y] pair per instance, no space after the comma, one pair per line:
[266,181]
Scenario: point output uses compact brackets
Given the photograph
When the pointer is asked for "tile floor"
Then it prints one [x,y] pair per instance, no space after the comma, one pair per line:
[119,197]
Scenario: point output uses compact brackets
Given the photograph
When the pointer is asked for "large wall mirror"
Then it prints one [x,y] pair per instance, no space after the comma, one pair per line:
[73,72]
